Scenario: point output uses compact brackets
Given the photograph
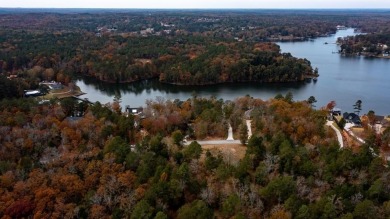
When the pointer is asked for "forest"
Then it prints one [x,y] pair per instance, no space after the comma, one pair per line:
[66,158]
[184,47]
[374,44]
[109,165]
[194,60]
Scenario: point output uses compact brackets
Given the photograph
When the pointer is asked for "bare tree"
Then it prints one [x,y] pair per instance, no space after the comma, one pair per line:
[208,195]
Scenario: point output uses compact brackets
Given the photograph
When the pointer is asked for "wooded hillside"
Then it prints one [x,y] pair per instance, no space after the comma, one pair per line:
[102,166]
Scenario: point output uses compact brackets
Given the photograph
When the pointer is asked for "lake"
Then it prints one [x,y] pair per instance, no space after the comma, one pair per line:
[343,79]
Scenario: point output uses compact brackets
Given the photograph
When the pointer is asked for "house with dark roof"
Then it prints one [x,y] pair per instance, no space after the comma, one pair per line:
[134,111]
[139,111]
[56,86]
[352,118]
[379,119]
[336,112]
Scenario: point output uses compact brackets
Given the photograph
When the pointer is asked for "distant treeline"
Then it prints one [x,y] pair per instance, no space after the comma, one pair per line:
[181,46]
[374,44]
[195,60]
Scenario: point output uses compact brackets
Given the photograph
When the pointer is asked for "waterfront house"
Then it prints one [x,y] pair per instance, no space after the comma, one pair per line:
[52,85]
[134,111]
[56,86]
[352,118]
[336,112]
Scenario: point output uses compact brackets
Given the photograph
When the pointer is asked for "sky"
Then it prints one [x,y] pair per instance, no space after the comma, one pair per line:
[195,3]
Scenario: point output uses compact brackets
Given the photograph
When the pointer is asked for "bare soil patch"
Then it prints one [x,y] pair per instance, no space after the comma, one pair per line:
[232,153]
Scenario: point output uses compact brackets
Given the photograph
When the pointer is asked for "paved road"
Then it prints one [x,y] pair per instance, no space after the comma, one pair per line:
[348,127]
[338,133]
[249,125]
[229,139]
[215,142]
[230,134]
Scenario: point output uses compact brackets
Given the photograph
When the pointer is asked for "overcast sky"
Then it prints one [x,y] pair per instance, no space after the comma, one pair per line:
[196,3]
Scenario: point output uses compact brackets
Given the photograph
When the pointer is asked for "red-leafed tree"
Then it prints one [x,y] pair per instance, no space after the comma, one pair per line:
[20,208]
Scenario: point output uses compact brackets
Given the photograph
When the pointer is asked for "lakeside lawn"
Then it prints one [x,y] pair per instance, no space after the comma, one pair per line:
[67,91]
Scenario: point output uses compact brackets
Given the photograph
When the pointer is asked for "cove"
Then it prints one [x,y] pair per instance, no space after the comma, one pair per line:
[343,79]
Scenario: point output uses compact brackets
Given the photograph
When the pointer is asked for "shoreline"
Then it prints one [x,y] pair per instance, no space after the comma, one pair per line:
[66,92]
[364,56]
[305,76]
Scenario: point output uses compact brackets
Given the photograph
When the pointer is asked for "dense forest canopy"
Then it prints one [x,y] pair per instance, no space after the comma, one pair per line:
[181,47]
[73,159]
[181,60]
[102,165]
[372,44]
[305,23]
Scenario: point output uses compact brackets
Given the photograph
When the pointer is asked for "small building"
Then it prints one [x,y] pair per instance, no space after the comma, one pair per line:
[134,111]
[337,118]
[352,118]
[336,112]
[53,85]
[379,119]
[381,124]
[32,93]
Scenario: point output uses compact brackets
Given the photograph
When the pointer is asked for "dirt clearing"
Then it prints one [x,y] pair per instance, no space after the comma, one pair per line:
[231,153]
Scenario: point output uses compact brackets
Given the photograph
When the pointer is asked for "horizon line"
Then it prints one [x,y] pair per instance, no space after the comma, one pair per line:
[230,8]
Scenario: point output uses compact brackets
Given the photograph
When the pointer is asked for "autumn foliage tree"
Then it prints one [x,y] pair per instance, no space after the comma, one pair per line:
[53,167]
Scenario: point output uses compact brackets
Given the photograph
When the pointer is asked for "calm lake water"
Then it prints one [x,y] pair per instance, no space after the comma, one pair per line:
[343,79]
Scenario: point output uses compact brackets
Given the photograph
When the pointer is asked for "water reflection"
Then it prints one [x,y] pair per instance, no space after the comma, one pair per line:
[344,79]
[140,91]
